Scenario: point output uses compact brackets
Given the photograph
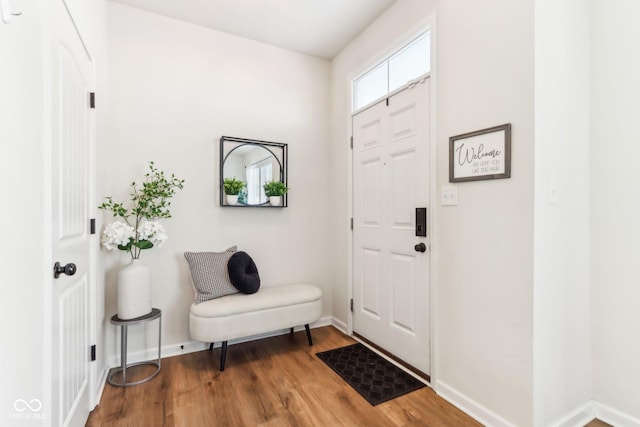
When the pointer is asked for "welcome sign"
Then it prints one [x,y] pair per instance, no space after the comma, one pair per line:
[479,155]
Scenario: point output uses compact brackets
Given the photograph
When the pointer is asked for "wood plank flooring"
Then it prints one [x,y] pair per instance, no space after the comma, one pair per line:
[272,382]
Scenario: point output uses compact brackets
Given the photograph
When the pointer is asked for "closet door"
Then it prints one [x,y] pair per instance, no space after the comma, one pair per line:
[71,144]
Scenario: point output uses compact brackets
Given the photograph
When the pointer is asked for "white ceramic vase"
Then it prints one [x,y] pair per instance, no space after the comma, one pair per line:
[275,200]
[134,290]
[232,199]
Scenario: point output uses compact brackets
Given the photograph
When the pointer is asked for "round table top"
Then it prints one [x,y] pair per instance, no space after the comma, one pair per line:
[153,314]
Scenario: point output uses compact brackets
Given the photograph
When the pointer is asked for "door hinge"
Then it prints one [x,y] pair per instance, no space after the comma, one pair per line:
[92,100]
[351,223]
[93,353]
[387,101]
[92,226]
[351,143]
[351,304]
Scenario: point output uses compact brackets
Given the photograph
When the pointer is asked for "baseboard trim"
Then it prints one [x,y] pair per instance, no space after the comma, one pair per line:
[171,350]
[577,418]
[339,325]
[102,383]
[613,416]
[469,406]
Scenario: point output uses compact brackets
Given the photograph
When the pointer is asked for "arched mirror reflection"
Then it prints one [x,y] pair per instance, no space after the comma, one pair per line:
[252,173]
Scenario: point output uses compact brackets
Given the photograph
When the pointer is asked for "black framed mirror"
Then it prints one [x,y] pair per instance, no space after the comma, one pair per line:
[246,165]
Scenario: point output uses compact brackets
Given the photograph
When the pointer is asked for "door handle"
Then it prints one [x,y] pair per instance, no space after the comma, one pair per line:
[420,247]
[69,269]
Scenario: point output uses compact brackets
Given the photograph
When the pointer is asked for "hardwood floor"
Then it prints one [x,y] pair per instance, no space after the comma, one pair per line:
[272,382]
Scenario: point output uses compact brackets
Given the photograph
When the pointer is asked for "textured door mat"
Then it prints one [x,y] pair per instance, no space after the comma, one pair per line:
[375,378]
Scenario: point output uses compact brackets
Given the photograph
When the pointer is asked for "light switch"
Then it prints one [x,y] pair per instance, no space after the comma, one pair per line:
[449,196]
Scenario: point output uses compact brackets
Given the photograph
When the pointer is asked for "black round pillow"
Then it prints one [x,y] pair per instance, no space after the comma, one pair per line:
[243,273]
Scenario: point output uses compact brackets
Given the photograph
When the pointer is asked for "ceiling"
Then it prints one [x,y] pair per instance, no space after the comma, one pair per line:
[320,28]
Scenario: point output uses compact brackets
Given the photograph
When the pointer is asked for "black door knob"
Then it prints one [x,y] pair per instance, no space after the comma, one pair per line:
[420,247]
[69,269]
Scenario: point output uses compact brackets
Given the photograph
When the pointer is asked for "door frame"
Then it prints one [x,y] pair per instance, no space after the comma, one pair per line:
[430,24]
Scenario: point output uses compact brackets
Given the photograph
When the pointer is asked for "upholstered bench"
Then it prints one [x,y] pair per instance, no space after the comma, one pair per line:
[242,315]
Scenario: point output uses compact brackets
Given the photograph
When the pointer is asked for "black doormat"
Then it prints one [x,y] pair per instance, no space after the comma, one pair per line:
[374,377]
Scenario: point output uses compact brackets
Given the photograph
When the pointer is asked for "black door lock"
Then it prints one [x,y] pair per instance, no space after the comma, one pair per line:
[421,222]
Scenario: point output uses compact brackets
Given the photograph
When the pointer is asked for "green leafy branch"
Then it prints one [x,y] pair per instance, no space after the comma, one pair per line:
[149,202]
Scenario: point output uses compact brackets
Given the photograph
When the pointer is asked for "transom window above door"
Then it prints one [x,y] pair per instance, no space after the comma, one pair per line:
[411,60]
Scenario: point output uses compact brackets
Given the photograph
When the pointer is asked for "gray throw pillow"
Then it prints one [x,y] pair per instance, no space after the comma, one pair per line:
[210,275]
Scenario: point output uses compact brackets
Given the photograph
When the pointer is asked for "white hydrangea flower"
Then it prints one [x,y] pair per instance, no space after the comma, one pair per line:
[117,233]
[152,231]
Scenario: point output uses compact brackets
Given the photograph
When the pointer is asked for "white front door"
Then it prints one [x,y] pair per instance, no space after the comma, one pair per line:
[71,189]
[390,180]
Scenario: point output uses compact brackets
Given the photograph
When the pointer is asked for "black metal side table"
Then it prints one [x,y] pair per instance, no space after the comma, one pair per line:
[124,324]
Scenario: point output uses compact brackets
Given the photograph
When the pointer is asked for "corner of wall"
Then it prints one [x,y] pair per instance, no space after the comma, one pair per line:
[613,416]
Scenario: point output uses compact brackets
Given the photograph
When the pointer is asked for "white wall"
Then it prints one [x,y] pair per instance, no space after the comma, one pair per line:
[615,203]
[483,287]
[174,90]
[562,311]
[485,244]
[24,275]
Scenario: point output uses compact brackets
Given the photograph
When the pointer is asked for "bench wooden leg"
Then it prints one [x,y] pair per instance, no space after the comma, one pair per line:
[223,355]
[211,347]
[306,327]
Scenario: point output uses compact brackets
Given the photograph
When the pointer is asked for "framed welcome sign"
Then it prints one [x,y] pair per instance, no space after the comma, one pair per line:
[483,154]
